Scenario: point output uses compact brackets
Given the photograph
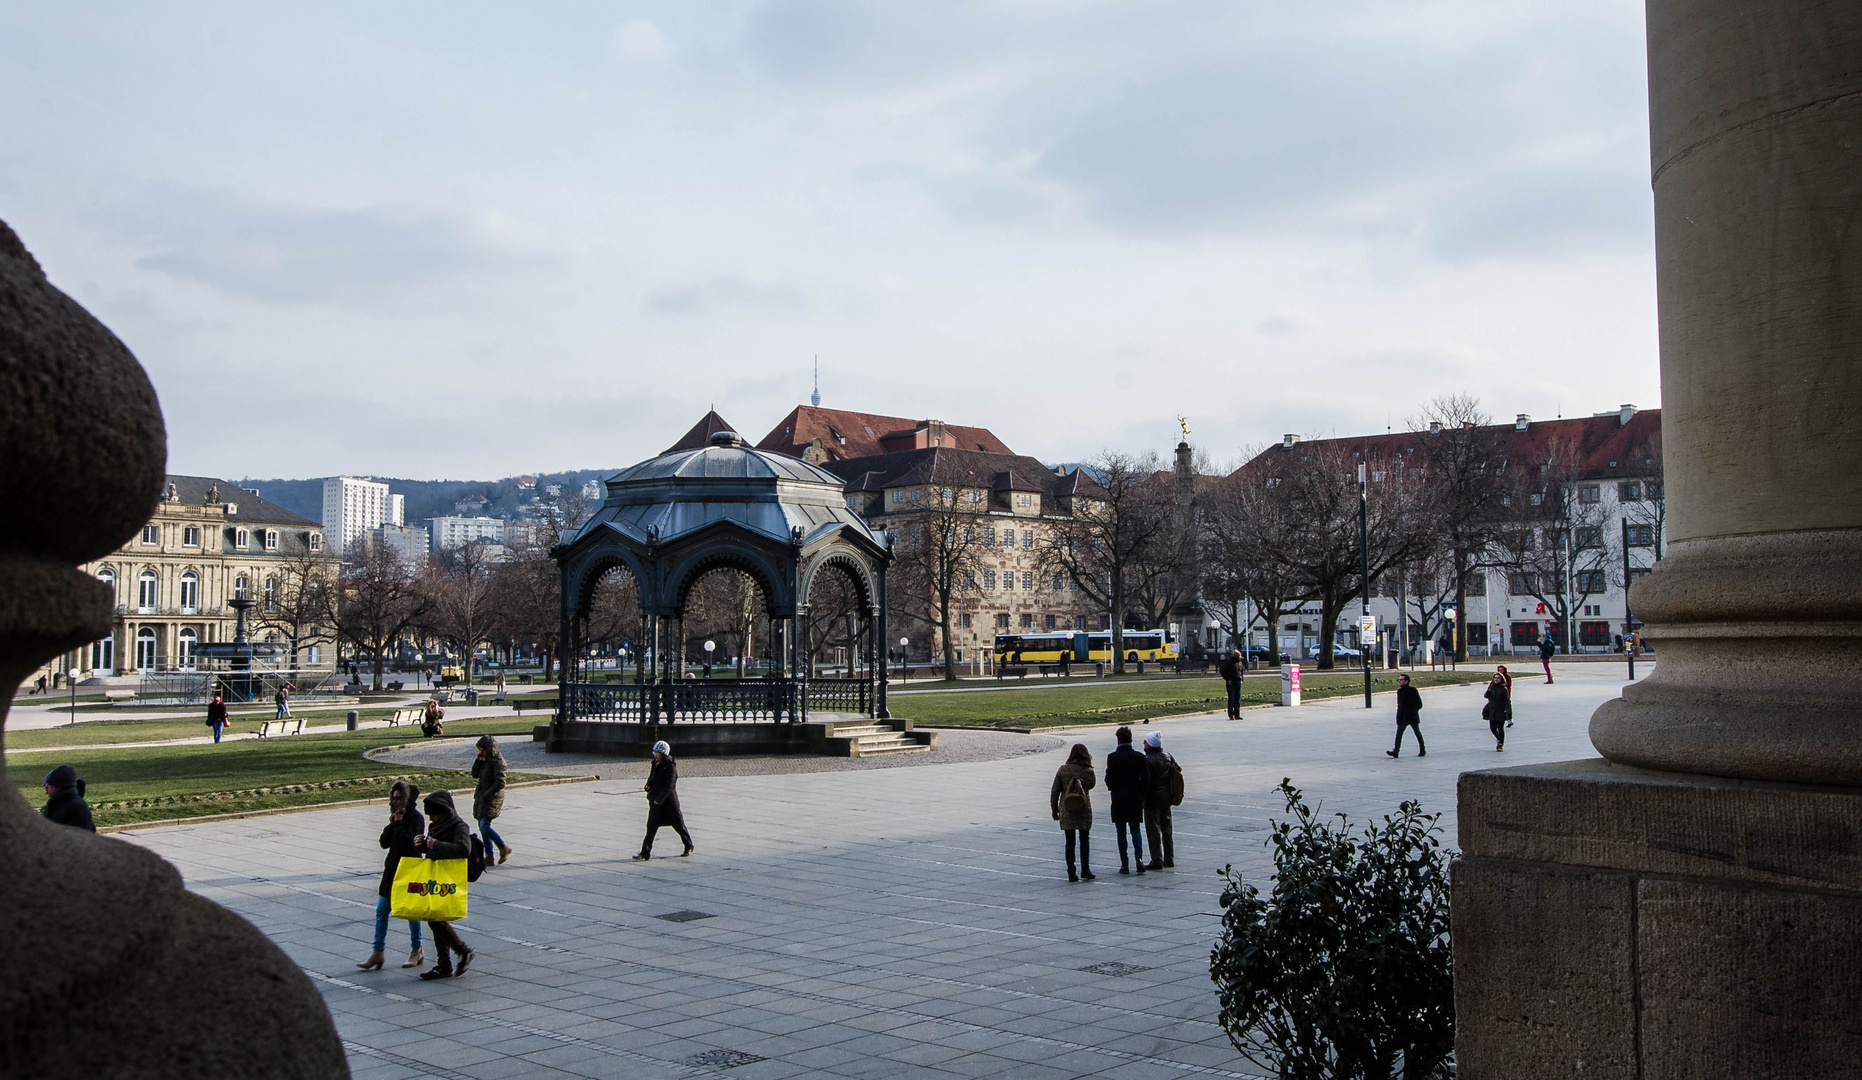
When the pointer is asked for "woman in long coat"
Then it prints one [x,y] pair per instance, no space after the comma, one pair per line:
[397,837]
[1498,710]
[1073,807]
[663,801]
[488,797]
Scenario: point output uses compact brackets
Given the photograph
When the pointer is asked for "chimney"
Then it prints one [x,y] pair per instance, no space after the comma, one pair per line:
[1435,427]
[1287,442]
[1522,421]
[1623,416]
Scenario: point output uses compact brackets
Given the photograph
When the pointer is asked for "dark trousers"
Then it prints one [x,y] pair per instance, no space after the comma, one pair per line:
[667,814]
[1234,700]
[446,940]
[1157,830]
[1497,725]
[1086,864]
[1414,726]
[1119,829]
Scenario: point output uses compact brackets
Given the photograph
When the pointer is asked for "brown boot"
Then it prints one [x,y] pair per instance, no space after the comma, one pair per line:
[373,963]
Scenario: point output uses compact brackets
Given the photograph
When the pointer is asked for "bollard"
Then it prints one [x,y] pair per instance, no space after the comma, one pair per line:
[351,724]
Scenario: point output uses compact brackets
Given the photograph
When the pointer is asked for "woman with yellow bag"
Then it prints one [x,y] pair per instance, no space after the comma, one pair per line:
[448,837]
[404,824]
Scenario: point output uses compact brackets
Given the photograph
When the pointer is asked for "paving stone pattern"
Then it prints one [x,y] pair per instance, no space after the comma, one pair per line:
[897,922]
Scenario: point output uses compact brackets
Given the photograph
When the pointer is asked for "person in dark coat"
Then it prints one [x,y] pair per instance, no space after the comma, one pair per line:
[1067,798]
[397,838]
[488,797]
[1157,801]
[1409,715]
[64,802]
[1498,710]
[1230,669]
[216,716]
[447,837]
[1546,651]
[663,801]
[1127,779]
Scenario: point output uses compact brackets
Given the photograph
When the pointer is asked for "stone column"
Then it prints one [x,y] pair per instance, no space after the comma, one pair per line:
[1692,906]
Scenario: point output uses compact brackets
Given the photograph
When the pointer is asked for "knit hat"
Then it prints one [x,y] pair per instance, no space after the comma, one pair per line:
[1154,740]
[62,777]
[662,747]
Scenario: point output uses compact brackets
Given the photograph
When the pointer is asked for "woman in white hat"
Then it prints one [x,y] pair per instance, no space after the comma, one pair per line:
[663,801]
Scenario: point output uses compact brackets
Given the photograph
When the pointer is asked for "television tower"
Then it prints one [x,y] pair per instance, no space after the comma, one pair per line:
[815,398]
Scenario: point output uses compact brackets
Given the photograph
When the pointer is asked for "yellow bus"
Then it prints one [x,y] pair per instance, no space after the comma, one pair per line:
[1083,647]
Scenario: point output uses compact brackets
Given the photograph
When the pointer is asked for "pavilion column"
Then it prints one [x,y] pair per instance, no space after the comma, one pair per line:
[1692,906]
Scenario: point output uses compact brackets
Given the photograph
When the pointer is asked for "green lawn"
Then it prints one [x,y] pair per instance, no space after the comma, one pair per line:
[152,783]
[1101,702]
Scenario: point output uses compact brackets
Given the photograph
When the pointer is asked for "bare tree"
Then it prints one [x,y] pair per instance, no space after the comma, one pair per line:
[1241,521]
[527,589]
[724,605]
[300,604]
[1465,458]
[834,614]
[1112,532]
[938,552]
[1559,548]
[377,602]
[461,608]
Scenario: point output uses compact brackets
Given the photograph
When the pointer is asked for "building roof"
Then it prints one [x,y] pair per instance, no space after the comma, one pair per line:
[1603,446]
[938,465]
[846,434]
[700,435]
[193,491]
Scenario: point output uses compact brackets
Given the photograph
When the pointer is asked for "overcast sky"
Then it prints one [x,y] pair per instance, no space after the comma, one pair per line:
[467,240]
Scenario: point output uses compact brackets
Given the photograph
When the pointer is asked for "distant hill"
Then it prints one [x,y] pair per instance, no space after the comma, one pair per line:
[429,498]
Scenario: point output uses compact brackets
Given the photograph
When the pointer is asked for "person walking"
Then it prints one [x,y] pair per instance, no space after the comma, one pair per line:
[1498,711]
[447,837]
[1507,675]
[1546,651]
[662,790]
[488,797]
[283,701]
[1158,769]
[64,799]
[1071,806]
[1230,669]
[1409,715]
[397,837]
[216,716]
[1127,779]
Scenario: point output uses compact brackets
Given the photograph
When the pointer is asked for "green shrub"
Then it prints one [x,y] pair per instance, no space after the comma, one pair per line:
[1343,972]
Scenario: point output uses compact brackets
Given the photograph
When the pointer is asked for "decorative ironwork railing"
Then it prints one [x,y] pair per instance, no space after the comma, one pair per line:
[691,701]
[840,695]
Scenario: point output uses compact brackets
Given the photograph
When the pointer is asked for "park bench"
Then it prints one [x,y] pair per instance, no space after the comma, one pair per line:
[405,716]
[265,728]
[1005,671]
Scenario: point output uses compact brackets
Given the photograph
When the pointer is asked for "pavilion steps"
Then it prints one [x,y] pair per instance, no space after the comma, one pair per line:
[865,737]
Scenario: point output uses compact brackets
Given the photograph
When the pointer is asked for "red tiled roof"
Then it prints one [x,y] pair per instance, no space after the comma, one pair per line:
[846,434]
[1602,445]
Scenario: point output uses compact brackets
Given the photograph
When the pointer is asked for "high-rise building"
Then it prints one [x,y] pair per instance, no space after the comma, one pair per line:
[397,510]
[446,533]
[352,506]
[407,541]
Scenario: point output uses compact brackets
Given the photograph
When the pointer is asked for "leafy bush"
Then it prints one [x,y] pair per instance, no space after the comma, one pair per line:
[1344,970]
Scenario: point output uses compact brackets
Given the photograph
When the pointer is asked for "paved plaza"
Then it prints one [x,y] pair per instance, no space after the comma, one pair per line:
[906,921]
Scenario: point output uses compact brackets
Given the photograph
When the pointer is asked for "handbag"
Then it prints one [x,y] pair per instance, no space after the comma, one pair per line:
[429,890]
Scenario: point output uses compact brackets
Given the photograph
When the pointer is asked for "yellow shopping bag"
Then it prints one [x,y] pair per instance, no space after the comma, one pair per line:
[429,889]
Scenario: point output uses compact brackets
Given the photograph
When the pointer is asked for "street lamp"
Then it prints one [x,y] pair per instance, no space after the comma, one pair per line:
[1364,557]
[72,678]
[903,642]
[709,645]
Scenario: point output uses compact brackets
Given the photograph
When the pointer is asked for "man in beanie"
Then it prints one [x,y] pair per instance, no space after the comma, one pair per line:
[1158,766]
[64,802]
[663,801]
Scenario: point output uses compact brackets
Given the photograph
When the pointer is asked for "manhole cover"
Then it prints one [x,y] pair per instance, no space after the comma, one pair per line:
[687,916]
[1113,967]
[721,1059]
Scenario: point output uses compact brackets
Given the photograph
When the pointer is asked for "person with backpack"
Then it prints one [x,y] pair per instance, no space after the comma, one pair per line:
[1230,669]
[447,837]
[64,802]
[1546,651]
[1163,790]
[397,837]
[1409,715]
[662,790]
[216,716]
[1073,808]
[1127,779]
[1498,712]
[488,797]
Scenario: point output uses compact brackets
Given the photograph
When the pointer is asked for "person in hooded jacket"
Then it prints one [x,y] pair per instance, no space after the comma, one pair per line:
[1498,711]
[1127,779]
[663,801]
[1230,669]
[1157,802]
[397,837]
[488,797]
[64,803]
[447,837]
[1409,715]
[1071,805]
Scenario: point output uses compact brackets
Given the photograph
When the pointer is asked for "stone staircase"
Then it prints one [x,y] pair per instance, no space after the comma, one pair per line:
[864,737]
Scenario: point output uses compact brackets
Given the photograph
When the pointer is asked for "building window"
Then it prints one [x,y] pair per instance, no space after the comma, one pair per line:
[271,539]
[1594,633]
[1522,584]
[1591,581]
[1002,620]
[1008,538]
[1589,538]
[313,655]
[963,621]
[969,534]
[1051,622]
[1028,581]
[1024,500]
[1653,490]
[1027,622]
[969,578]
[145,648]
[241,590]
[898,497]
[1079,622]
[976,496]
[151,534]
[242,539]
[148,592]
[190,536]
[1589,493]
[190,592]
[184,648]
[1538,498]
[1060,581]
[989,579]
[103,654]
[108,577]
[1525,633]
[316,541]
[1629,491]
[1477,633]
[1008,579]
[989,538]
[1028,539]
[271,594]
[1477,586]
[1642,536]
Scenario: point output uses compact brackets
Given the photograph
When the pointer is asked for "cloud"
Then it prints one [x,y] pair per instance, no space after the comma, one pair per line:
[638,39]
[716,295]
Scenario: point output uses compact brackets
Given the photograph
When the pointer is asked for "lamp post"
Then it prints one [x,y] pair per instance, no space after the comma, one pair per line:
[1629,621]
[1364,557]
[709,646]
[903,642]
[71,677]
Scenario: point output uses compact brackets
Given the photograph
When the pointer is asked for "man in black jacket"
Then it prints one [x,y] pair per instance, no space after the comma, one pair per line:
[1409,715]
[447,837]
[1127,779]
[65,799]
[1231,676]
[1158,766]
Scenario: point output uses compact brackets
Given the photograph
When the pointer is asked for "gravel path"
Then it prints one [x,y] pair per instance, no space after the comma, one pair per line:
[954,747]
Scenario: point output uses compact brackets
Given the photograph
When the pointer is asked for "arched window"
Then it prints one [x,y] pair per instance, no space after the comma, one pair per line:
[148,592]
[108,577]
[190,592]
[184,648]
[240,588]
[271,594]
[145,648]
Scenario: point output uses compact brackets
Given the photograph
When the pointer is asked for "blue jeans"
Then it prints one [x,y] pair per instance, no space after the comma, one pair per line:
[382,908]
[1119,828]
[492,840]
[216,731]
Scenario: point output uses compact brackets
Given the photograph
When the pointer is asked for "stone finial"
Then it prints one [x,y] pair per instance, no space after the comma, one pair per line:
[109,967]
